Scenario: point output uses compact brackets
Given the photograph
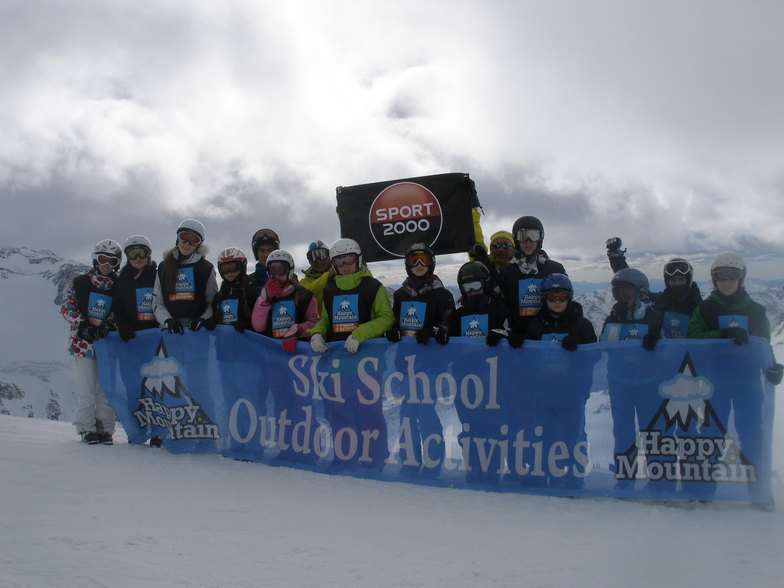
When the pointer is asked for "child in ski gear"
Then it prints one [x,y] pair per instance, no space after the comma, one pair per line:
[320,270]
[479,314]
[543,399]
[729,312]
[133,289]
[422,306]
[630,318]
[521,279]
[263,242]
[355,308]
[561,318]
[680,296]
[186,284]
[234,301]
[87,308]
[284,310]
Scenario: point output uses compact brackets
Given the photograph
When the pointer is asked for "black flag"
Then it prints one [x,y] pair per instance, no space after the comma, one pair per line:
[385,218]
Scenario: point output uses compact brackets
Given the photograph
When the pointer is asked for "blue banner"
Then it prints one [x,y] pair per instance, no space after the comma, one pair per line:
[690,420]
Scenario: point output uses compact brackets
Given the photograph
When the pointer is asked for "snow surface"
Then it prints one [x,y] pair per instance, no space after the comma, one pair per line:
[91,516]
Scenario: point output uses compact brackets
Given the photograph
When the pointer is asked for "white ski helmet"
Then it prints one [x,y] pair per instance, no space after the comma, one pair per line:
[232,254]
[108,247]
[281,255]
[343,247]
[194,226]
[729,260]
[137,241]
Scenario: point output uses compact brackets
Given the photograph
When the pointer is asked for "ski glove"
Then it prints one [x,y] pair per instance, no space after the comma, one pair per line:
[273,287]
[441,334]
[317,343]
[352,344]
[494,336]
[393,335]
[773,374]
[649,341]
[101,331]
[86,331]
[738,335]
[515,339]
[614,247]
[173,326]
[126,332]
[569,343]
[423,335]
[239,326]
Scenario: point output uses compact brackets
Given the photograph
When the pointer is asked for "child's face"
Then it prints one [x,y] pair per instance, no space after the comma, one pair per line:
[727,287]
[677,281]
[419,270]
[278,271]
[346,264]
[231,276]
[321,265]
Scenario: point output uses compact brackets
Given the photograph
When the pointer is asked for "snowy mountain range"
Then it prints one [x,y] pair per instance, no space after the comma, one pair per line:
[37,378]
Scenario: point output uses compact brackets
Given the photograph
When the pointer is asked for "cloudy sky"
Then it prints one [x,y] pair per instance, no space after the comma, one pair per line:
[659,121]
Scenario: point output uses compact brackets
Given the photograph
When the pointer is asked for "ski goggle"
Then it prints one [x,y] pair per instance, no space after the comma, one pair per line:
[228,267]
[419,259]
[726,275]
[468,287]
[139,252]
[556,296]
[624,292]
[319,254]
[346,259]
[109,260]
[677,268]
[502,245]
[534,235]
[188,238]
[278,269]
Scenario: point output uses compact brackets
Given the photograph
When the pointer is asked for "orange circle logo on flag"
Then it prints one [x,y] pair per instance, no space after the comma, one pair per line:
[403,214]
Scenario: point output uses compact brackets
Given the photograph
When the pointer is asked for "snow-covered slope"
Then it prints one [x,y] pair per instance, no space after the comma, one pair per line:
[37,378]
[129,516]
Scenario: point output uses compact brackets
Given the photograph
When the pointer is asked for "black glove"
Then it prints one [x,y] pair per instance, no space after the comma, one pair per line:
[393,335]
[209,323]
[441,334]
[494,336]
[86,331]
[773,374]
[649,341]
[102,330]
[515,339]
[739,335]
[423,335]
[569,343]
[126,332]
[173,326]
[239,326]
[196,324]
[614,247]
[479,253]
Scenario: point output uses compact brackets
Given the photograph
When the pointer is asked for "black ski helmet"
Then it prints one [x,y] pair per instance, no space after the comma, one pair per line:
[527,222]
[423,255]
[264,237]
[633,277]
[473,271]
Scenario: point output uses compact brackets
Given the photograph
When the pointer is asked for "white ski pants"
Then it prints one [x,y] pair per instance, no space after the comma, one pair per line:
[93,411]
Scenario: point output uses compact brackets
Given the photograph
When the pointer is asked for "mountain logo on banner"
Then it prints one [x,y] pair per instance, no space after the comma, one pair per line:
[685,440]
[174,410]
[405,213]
